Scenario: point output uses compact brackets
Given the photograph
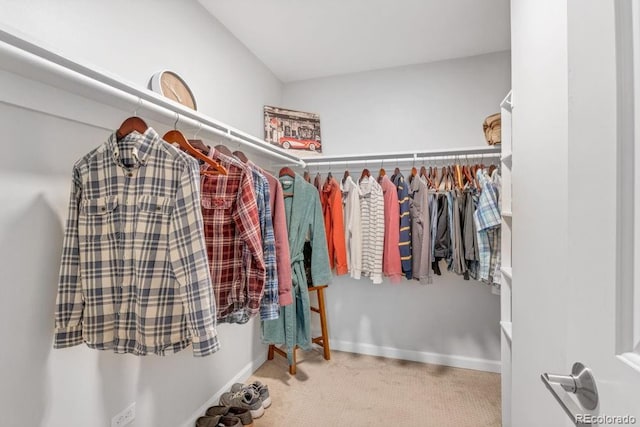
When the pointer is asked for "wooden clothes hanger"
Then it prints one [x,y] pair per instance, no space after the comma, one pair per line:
[446,177]
[365,173]
[467,173]
[423,174]
[176,137]
[199,145]
[241,156]
[288,172]
[452,174]
[224,150]
[413,173]
[475,169]
[443,180]
[381,174]
[345,176]
[131,124]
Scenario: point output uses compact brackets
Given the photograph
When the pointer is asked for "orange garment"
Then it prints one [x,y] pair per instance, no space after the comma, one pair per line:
[331,198]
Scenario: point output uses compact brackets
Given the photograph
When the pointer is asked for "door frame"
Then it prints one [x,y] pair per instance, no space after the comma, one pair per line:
[627,58]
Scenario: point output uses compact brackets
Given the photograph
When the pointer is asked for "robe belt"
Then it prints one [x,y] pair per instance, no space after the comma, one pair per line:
[297,258]
[291,333]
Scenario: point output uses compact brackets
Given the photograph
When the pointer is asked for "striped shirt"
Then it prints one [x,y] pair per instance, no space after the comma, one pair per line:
[372,220]
[405,224]
[134,276]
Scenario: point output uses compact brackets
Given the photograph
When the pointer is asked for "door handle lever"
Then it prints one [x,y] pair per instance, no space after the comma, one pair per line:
[567,382]
[580,382]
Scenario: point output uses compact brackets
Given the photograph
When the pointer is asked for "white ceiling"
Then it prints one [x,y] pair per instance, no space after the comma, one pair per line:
[304,39]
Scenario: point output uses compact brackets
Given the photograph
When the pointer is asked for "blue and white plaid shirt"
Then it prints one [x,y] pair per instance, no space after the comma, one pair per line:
[270,302]
[134,276]
[488,220]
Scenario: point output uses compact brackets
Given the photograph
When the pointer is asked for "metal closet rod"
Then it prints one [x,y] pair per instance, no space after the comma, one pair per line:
[57,66]
[415,158]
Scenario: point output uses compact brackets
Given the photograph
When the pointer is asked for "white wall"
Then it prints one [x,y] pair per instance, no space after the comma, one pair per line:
[133,39]
[540,209]
[136,38]
[429,106]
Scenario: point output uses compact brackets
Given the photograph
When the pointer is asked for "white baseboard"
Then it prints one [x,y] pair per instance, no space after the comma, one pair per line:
[418,356]
[240,377]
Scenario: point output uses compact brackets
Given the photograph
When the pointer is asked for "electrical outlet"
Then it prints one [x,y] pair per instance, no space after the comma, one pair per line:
[125,417]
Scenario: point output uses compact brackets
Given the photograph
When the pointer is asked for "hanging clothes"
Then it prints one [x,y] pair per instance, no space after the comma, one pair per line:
[420,230]
[231,221]
[270,301]
[304,221]
[458,264]
[317,182]
[433,217]
[442,240]
[331,199]
[391,264]
[352,226]
[487,218]
[470,236]
[134,276]
[372,220]
[405,224]
[279,220]
[496,180]
[449,257]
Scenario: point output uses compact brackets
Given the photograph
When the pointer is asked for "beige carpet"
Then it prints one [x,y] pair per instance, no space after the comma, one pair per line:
[356,391]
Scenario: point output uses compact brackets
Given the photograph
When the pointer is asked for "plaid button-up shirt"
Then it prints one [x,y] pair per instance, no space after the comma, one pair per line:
[487,219]
[134,276]
[231,221]
[270,302]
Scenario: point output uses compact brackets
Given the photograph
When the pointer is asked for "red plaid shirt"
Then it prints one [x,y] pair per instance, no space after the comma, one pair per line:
[231,221]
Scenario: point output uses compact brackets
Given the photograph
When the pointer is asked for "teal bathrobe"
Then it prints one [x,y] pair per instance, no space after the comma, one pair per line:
[304,222]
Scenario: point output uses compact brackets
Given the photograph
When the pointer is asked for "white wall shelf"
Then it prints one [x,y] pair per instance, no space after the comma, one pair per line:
[507,262]
[28,59]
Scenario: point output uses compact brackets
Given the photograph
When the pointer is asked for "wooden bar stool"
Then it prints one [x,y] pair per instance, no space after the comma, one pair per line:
[322,340]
